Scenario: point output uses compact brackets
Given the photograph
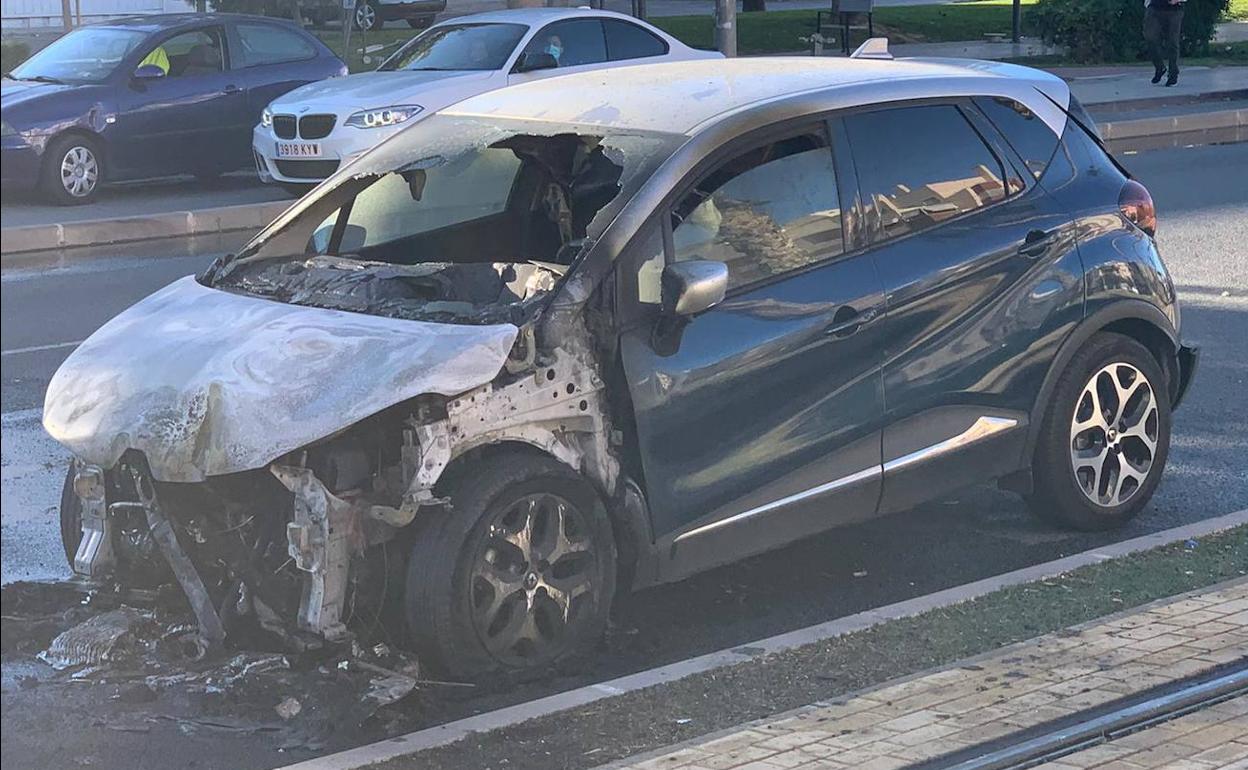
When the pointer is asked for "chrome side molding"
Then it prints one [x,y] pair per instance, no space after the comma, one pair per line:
[983,427]
[865,474]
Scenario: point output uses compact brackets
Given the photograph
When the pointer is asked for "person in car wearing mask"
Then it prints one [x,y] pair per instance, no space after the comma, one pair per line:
[554,47]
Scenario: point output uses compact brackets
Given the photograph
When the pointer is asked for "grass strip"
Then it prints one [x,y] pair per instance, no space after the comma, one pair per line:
[667,714]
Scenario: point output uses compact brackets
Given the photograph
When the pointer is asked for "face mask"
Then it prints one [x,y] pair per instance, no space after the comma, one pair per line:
[554,50]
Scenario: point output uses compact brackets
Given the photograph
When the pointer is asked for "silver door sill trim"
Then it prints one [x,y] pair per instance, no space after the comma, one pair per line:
[845,481]
[983,427]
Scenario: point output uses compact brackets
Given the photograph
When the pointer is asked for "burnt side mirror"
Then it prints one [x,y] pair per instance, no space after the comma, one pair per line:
[536,60]
[688,288]
[149,72]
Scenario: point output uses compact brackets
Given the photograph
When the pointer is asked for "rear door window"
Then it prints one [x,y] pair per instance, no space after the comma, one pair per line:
[573,42]
[270,44]
[921,166]
[1030,136]
[629,41]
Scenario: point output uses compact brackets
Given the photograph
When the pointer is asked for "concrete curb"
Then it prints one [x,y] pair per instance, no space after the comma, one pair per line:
[172,224]
[1174,124]
[450,732]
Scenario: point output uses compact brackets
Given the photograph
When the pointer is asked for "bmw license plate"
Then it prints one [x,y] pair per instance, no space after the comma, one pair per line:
[298,150]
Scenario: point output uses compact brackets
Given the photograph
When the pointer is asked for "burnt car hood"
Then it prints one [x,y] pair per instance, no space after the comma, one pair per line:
[206,382]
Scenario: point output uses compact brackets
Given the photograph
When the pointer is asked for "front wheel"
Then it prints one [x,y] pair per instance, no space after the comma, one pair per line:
[518,575]
[1103,444]
[72,170]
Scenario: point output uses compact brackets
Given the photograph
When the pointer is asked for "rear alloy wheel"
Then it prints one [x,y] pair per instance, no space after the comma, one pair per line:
[518,576]
[365,16]
[1103,446]
[72,170]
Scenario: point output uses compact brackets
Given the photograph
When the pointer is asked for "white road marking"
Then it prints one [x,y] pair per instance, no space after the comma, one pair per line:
[41,348]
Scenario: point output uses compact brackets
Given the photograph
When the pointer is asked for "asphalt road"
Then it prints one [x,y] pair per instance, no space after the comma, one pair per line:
[1203,207]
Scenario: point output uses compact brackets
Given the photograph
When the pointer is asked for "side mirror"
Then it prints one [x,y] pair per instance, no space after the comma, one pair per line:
[149,72]
[691,287]
[537,60]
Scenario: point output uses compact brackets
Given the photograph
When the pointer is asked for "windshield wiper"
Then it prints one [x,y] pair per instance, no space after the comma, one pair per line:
[40,79]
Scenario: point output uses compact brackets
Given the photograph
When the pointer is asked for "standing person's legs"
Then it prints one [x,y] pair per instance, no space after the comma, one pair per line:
[1173,35]
[1152,36]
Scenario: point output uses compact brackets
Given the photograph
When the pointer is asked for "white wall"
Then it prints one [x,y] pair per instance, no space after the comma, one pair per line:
[17,14]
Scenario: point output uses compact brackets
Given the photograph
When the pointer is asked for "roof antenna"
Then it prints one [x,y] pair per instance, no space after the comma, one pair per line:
[873,48]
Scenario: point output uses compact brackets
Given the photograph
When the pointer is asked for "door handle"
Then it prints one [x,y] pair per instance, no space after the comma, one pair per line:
[847,321]
[1037,242]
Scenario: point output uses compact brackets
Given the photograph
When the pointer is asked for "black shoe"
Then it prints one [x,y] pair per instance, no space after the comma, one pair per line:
[1157,73]
[1174,78]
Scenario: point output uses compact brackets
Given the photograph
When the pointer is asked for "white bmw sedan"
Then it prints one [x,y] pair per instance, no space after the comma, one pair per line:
[308,133]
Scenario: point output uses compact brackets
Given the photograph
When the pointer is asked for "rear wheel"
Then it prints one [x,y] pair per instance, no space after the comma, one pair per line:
[1103,444]
[420,22]
[518,576]
[72,170]
[365,16]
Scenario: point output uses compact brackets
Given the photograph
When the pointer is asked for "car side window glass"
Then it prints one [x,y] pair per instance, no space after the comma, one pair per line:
[572,42]
[629,41]
[922,166]
[270,44]
[766,212]
[189,54]
[1030,136]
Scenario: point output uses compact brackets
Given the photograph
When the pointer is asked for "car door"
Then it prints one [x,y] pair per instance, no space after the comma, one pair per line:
[758,421]
[180,122]
[577,44]
[270,60]
[981,273]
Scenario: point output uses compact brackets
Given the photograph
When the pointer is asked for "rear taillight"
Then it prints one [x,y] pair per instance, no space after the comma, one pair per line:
[1137,205]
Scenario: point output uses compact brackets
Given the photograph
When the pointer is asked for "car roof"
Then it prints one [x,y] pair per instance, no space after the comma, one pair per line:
[683,97]
[162,21]
[532,16]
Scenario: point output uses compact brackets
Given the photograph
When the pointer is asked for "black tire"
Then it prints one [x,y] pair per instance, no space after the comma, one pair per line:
[448,548]
[1064,495]
[420,22]
[296,189]
[71,517]
[367,20]
[54,186]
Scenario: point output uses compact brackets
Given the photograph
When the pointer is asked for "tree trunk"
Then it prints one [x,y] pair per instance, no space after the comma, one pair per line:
[749,6]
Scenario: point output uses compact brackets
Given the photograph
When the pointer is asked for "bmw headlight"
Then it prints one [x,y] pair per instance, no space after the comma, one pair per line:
[384,116]
[266,118]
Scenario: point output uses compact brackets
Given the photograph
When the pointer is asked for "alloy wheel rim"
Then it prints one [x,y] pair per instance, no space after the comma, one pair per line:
[1113,434]
[80,171]
[534,579]
[364,16]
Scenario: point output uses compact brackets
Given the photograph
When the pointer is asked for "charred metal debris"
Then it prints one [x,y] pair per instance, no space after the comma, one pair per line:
[306,550]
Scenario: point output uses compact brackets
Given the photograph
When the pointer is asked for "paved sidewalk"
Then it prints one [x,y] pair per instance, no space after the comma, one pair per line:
[1015,688]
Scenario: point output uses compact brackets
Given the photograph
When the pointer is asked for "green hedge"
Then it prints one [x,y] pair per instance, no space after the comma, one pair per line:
[1112,30]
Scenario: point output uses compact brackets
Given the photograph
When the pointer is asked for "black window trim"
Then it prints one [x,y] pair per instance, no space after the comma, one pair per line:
[875,238]
[266,23]
[667,47]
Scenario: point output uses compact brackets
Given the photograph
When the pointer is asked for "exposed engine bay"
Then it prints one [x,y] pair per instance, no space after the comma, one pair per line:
[265,434]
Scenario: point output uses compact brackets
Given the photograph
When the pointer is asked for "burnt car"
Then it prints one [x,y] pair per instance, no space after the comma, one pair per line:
[607,330]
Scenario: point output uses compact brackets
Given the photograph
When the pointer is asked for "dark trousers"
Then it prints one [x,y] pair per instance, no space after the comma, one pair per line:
[1161,31]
